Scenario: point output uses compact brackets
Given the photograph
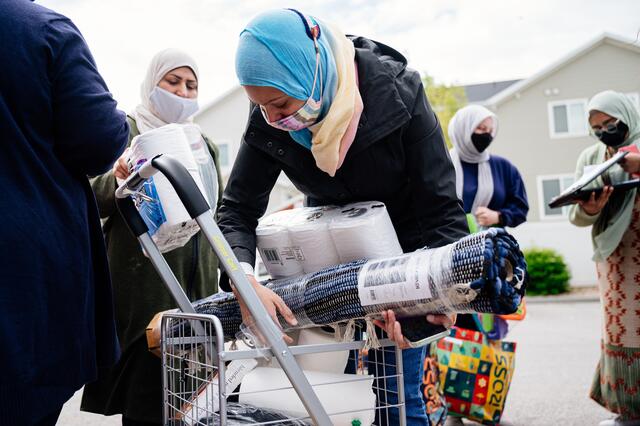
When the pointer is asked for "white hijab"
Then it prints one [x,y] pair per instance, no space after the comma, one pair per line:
[163,62]
[461,127]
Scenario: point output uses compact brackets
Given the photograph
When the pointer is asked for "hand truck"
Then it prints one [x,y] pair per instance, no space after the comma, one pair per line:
[193,349]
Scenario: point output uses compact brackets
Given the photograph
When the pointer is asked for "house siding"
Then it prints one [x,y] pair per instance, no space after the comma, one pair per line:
[523,135]
[524,138]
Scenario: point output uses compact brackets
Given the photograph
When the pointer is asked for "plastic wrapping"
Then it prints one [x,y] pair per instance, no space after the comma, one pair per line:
[364,231]
[205,163]
[244,414]
[169,223]
[348,394]
[280,256]
[329,362]
[206,400]
[308,239]
[484,272]
[310,232]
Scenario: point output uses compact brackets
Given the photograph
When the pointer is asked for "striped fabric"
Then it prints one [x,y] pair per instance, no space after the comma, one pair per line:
[483,272]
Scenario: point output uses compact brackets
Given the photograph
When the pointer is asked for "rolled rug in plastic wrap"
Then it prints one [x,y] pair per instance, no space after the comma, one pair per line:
[364,231]
[483,272]
[168,221]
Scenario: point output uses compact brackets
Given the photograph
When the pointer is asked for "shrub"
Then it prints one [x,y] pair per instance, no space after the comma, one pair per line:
[548,273]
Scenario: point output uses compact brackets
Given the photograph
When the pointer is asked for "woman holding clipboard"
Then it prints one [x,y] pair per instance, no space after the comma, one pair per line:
[614,218]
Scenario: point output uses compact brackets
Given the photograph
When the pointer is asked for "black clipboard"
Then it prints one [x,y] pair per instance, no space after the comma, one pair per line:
[576,192]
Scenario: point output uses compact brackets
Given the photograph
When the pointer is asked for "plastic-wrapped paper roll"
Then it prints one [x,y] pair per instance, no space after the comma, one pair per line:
[355,399]
[364,231]
[310,232]
[280,256]
[168,220]
[204,160]
[328,362]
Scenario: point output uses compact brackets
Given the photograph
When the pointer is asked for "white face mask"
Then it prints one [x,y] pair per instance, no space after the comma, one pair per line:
[172,108]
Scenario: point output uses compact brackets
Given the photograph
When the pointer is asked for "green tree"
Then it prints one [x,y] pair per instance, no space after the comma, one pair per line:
[445,101]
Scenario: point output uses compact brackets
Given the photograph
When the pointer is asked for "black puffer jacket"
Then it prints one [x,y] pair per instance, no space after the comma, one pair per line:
[398,157]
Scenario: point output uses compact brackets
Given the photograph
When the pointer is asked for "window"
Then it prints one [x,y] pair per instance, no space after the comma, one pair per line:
[223,149]
[568,119]
[549,187]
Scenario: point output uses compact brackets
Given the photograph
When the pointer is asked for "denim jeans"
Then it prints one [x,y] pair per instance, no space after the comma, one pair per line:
[382,364]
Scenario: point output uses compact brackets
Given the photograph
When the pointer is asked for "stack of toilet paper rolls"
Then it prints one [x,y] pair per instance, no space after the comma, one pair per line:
[305,240]
[168,221]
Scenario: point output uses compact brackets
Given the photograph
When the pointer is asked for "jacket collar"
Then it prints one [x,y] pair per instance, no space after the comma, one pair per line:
[384,109]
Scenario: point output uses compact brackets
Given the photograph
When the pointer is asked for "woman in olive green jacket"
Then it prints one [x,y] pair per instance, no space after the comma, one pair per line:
[133,387]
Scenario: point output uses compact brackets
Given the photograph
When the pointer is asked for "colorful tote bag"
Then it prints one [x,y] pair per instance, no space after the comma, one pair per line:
[475,374]
[435,404]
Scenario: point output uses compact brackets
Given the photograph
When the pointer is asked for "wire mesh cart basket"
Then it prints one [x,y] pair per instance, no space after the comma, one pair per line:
[201,372]
[200,390]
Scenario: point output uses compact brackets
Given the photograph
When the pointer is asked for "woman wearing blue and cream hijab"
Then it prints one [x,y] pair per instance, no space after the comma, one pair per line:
[346,120]
[615,230]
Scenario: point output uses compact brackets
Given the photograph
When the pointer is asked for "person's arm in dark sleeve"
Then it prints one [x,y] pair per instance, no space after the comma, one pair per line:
[244,201]
[90,132]
[432,177]
[516,205]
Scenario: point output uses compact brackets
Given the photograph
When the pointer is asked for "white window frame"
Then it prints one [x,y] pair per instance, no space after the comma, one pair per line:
[552,128]
[541,203]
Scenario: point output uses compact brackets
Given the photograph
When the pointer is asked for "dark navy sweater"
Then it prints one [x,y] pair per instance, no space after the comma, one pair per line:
[509,194]
[58,124]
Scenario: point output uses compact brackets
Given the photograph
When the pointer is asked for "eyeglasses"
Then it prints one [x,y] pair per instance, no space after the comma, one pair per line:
[609,128]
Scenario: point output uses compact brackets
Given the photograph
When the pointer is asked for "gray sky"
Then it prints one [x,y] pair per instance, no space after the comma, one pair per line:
[456,41]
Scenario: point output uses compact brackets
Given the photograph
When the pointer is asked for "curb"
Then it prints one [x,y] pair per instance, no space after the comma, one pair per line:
[587,298]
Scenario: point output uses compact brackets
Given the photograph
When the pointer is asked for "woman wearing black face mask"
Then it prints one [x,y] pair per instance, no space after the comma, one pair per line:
[615,121]
[490,187]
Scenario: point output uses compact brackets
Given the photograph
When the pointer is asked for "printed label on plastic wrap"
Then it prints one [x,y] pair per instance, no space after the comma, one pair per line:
[399,279]
[207,399]
[278,255]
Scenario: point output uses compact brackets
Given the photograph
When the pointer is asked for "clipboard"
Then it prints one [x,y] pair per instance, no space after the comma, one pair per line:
[576,192]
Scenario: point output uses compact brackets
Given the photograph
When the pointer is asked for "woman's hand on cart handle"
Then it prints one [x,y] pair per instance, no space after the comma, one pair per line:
[394,330]
[272,302]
